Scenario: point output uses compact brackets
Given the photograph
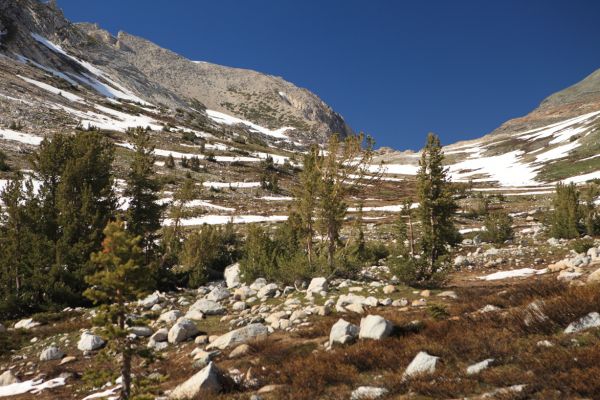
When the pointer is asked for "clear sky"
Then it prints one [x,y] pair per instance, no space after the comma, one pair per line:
[394,69]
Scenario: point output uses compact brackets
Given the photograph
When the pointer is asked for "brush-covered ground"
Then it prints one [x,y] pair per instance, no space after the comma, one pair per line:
[518,322]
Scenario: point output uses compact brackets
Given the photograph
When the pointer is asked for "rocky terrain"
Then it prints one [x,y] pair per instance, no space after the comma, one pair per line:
[512,332]
[517,320]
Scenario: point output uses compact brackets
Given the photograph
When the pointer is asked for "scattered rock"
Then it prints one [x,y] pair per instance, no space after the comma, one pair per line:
[594,277]
[238,336]
[89,342]
[368,393]
[8,378]
[182,330]
[478,367]
[218,294]
[343,332]
[267,291]
[51,353]
[240,351]
[150,300]
[374,327]
[389,289]
[423,363]
[592,320]
[205,381]
[208,307]
[67,360]
[26,324]
[194,315]
[232,275]
[170,317]
[141,331]
[317,285]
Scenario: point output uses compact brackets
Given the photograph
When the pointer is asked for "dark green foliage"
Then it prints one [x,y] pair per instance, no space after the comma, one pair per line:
[269,181]
[195,163]
[48,235]
[188,136]
[206,252]
[119,277]
[564,222]
[582,245]
[436,216]
[25,252]
[3,162]
[498,227]
[184,162]
[144,214]
[591,216]
[170,163]
[210,156]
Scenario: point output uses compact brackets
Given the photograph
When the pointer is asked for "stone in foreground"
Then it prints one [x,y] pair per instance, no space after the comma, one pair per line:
[592,320]
[232,275]
[182,330]
[205,381]
[89,342]
[375,327]
[208,307]
[239,336]
[423,363]
[343,332]
[368,393]
[51,353]
[480,366]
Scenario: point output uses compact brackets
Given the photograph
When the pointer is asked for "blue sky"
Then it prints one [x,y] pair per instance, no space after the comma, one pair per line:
[394,69]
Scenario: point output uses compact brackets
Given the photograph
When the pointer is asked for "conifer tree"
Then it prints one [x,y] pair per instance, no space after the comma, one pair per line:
[86,201]
[306,193]
[170,163]
[119,277]
[590,210]
[566,215]
[436,207]
[144,213]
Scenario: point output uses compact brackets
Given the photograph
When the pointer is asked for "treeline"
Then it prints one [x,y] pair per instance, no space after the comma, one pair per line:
[52,221]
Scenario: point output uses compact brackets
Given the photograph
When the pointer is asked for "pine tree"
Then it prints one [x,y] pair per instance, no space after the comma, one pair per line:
[566,215]
[3,162]
[24,252]
[590,210]
[170,163]
[120,276]
[144,213]
[77,199]
[436,208]
[86,201]
[306,193]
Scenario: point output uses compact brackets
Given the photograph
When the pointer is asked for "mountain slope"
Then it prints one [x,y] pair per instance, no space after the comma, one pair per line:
[559,140]
[79,53]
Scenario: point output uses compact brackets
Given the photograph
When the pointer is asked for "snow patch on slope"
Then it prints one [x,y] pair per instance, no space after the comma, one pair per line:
[226,119]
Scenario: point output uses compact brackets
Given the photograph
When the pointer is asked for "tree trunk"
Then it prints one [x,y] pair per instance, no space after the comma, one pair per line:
[126,371]
[411,235]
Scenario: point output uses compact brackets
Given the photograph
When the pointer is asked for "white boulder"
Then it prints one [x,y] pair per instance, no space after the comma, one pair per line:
[232,275]
[51,353]
[89,342]
[238,336]
[592,320]
[343,332]
[205,381]
[423,363]
[374,327]
[182,330]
